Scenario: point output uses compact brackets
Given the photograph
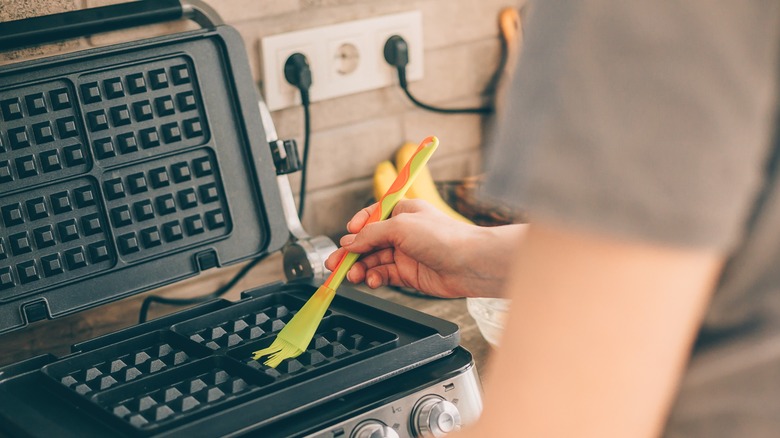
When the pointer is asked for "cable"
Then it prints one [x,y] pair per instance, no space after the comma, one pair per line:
[403,83]
[142,314]
[298,73]
[305,164]
[396,53]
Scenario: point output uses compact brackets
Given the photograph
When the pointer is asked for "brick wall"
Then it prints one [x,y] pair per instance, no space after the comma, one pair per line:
[350,135]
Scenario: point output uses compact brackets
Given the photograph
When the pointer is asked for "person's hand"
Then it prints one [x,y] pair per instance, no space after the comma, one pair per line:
[422,248]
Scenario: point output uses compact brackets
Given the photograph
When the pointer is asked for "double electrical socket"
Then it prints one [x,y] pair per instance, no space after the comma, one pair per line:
[344,58]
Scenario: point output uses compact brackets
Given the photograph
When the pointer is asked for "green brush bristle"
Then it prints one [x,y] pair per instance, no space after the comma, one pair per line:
[274,348]
[277,352]
[295,337]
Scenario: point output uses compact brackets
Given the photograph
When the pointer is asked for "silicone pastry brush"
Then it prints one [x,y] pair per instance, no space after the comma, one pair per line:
[294,338]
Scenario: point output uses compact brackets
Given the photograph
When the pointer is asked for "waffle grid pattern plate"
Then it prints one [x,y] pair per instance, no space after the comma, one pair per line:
[104,170]
[161,378]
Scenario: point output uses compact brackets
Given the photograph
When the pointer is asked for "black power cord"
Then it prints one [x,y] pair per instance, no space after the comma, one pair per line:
[396,53]
[298,73]
[142,314]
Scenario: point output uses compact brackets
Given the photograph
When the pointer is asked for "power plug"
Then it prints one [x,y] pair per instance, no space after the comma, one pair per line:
[396,53]
[298,73]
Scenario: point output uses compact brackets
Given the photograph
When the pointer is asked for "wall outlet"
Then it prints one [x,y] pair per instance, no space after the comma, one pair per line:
[345,58]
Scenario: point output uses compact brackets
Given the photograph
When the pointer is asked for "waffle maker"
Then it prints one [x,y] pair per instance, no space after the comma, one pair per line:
[128,167]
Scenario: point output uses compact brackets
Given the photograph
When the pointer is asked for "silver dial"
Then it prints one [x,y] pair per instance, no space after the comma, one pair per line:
[373,429]
[435,417]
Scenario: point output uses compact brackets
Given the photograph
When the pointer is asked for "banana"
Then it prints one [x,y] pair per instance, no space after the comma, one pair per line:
[423,187]
[384,175]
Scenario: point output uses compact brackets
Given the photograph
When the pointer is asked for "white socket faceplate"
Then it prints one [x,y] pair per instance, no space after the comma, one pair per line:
[323,46]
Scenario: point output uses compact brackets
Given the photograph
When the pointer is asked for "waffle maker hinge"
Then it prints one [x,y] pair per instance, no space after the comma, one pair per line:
[304,256]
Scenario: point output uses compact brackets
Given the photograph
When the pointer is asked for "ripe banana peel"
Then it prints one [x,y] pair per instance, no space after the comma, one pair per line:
[422,188]
[384,175]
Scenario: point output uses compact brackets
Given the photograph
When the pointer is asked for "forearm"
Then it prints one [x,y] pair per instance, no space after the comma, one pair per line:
[483,257]
[597,338]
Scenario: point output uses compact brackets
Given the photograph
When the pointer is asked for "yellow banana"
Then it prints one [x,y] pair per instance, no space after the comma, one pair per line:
[423,187]
[384,175]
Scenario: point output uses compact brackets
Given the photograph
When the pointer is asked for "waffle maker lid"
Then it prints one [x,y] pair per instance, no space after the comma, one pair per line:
[127,167]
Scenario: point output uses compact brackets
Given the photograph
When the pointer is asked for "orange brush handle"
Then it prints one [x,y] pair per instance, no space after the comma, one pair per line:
[388,201]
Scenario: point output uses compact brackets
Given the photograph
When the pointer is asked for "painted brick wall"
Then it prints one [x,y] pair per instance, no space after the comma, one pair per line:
[351,134]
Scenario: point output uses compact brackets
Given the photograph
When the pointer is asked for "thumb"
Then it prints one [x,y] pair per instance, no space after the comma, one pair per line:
[410,206]
[375,236]
[360,218]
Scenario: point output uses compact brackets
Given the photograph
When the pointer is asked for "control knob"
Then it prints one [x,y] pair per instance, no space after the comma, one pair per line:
[435,417]
[374,429]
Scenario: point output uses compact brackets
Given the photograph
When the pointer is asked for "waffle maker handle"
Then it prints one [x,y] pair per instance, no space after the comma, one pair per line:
[57,27]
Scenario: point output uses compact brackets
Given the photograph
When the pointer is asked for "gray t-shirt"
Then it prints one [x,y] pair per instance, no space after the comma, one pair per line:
[655,121]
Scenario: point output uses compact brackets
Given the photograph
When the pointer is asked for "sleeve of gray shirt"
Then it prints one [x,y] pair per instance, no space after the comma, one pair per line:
[641,119]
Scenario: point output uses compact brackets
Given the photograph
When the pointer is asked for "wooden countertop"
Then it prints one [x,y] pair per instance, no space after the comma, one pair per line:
[56,336]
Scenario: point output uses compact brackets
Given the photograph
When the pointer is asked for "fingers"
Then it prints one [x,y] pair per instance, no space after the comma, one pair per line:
[409,206]
[381,257]
[334,258]
[377,276]
[347,240]
[368,261]
[383,275]
[377,235]
[358,221]
[376,269]
[357,274]
[376,242]
[346,245]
